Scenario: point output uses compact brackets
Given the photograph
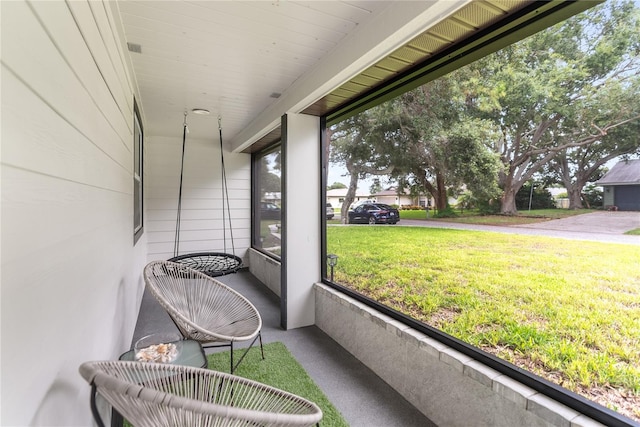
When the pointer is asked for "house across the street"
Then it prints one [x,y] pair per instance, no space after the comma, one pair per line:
[622,186]
[392,196]
[337,196]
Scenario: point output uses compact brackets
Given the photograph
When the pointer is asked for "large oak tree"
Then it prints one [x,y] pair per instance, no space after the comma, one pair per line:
[353,144]
[559,92]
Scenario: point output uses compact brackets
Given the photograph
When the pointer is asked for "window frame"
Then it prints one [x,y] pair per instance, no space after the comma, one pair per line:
[138,174]
[519,26]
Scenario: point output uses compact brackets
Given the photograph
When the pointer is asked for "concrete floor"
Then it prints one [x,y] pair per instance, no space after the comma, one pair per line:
[359,394]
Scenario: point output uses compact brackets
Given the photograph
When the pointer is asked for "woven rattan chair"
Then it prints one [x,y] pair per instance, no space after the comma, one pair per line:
[157,394]
[203,308]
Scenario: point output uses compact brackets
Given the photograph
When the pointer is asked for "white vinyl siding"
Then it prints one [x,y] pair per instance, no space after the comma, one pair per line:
[71,282]
[201,228]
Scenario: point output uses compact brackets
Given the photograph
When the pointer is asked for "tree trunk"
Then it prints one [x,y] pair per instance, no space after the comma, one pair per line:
[575,197]
[573,188]
[438,191]
[508,199]
[442,200]
[351,194]
[508,202]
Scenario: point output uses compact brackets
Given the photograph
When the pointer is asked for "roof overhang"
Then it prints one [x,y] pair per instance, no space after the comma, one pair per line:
[442,37]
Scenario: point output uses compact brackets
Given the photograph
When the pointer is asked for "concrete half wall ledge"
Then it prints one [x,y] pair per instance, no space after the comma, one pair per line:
[266,269]
[447,386]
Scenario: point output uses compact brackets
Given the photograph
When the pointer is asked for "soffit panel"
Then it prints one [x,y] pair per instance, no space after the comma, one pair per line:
[514,25]
[453,30]
[476,27]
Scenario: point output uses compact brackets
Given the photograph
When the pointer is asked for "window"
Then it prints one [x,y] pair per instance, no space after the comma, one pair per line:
[138,208]
[543,305]
[267,196]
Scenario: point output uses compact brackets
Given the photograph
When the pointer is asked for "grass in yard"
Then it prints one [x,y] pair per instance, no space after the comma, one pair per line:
[523,217]
[566,310]
[269,241]
[635,232]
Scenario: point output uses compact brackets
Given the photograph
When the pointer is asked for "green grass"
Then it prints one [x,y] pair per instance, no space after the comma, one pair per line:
[566,310]
[635,232]
[472,216]
[281,370]
[267,240]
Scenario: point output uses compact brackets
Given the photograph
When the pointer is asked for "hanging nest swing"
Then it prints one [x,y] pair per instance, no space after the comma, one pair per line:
[210,263]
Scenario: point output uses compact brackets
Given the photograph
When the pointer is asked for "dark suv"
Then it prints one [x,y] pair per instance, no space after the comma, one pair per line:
[374,213]
[269,210]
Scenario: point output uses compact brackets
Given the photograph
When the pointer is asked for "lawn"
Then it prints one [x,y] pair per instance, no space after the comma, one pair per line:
[267,239]
[566,310]
[472,216]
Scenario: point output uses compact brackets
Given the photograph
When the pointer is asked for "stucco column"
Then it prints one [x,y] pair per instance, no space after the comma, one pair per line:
[302,216]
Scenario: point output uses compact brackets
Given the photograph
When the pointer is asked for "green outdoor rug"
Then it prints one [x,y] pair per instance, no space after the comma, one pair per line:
[281,370]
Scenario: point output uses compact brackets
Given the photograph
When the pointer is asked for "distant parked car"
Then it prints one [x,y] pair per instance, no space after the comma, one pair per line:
[374,213]
[269,211]
[329,211]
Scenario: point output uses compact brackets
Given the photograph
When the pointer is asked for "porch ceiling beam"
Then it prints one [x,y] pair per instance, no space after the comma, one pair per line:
[389,30]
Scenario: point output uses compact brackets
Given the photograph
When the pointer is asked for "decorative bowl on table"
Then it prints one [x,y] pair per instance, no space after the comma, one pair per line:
[158,348]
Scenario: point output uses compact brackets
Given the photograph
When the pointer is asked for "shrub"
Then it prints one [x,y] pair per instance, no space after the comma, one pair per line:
[412,208]
[488,207]
[592,196]
[466,200]
[447,212]
[540,199]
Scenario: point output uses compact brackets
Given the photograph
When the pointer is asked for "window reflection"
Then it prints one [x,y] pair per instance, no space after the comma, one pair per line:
[267,201]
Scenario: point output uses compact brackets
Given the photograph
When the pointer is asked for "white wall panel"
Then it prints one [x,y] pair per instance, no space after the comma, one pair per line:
[201,226]
[39,63]
[302,231]
[119,81]
[71,275]
[213,233]
[83,47]
[53,146]
[168,216]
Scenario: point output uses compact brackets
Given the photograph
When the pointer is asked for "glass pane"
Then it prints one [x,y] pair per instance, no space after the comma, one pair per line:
[137,205]
[137,146]
[267,206]
[137,175]
[470,163]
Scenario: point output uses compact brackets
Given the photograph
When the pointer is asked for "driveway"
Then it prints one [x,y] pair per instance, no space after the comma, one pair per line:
[598,226]
[596,222]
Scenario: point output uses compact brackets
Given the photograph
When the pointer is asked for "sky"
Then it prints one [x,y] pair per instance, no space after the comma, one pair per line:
[340,174]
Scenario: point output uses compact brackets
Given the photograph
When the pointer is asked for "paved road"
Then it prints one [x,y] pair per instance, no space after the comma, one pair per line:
[598,226]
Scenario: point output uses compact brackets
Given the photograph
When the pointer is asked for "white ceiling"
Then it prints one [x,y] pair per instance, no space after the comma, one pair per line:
[250,62]
[229,57]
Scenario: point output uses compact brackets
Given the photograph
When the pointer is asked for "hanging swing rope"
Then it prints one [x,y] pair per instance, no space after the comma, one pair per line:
[176,242]
[225,195]
[211,263]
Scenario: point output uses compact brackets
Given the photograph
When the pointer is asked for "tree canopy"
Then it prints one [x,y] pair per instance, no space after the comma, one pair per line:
[569,89]
[562,102]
